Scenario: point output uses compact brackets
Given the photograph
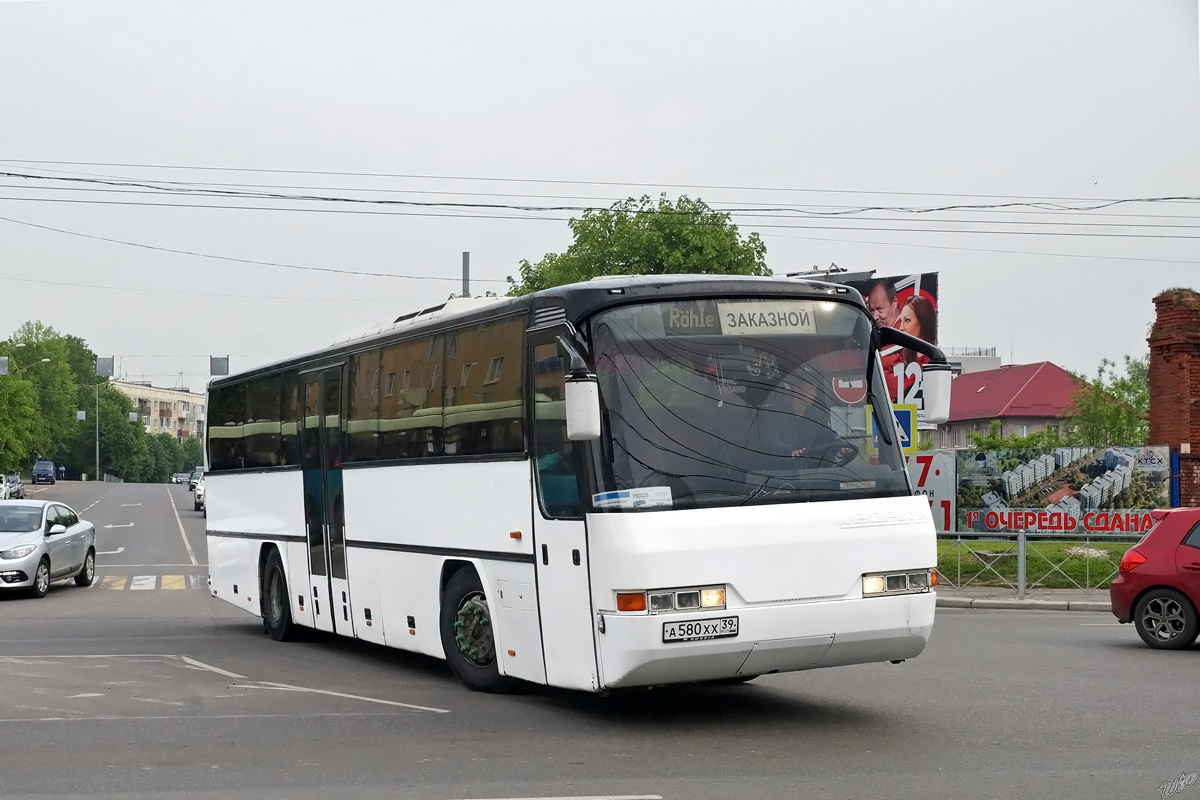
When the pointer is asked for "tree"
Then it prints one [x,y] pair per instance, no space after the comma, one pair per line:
[193,454]
[166,457]
[1114,409]
[54,382]
[640,237]
[19,422]
[124,451]
[992,440]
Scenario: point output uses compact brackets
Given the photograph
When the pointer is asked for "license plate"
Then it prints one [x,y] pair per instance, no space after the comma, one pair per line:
[698,630]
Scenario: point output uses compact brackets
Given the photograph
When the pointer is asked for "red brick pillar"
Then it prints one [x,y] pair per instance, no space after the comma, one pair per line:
[1175,384]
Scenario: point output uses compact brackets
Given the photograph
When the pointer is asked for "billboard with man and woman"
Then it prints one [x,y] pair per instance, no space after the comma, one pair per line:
[910,303]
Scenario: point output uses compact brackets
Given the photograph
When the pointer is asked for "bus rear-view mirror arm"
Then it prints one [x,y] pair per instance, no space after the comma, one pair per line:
[582,395]
[935,380]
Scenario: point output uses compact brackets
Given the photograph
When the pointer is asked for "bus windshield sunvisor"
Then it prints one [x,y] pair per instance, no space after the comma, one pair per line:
[711,403]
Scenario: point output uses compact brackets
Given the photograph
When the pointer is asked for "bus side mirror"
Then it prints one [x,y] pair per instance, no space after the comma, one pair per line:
[935,386]
[582,396]
[583,408]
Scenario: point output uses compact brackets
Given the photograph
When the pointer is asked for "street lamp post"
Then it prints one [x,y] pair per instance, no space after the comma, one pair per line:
[96,388]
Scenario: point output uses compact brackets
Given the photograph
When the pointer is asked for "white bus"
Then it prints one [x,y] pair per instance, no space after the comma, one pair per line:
[630,481]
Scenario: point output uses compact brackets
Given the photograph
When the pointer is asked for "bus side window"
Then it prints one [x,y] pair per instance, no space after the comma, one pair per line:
[558,482]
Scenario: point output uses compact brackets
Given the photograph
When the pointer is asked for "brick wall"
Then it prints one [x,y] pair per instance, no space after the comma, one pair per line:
[1175,383]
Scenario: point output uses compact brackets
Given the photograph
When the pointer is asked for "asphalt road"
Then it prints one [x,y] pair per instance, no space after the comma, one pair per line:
[147,687]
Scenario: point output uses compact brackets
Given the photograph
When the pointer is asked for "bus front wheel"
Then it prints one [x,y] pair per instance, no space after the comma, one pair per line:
[468,636]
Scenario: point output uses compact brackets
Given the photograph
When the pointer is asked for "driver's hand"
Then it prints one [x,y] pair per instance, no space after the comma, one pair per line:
[799,451]
[845,452]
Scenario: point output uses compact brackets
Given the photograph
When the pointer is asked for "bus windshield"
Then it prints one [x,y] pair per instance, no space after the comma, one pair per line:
[711,403]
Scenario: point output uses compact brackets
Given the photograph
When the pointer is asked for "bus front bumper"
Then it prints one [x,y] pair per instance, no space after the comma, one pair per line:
[778,638]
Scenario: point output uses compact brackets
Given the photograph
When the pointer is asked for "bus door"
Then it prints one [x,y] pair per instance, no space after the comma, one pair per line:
[560,536]
[324,506]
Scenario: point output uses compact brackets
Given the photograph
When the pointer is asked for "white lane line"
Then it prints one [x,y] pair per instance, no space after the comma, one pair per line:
[125,525]
[143,582]
[179,522]
[190,717]
[130,505]
[211,668]
[1098,624]
[588,797]
[106,494]
[116,552]
[131,566]
[85,694]
[285,687]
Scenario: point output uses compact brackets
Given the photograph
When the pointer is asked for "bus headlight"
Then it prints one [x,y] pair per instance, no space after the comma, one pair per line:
[908,582]
[712,598]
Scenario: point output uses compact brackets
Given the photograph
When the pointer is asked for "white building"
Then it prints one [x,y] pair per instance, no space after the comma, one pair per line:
[178,412]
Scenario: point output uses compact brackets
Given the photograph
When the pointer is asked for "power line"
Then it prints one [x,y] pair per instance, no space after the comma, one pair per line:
[202,186]
[802,226]
[853,211]
[548,181]
[76,284]
[235,259]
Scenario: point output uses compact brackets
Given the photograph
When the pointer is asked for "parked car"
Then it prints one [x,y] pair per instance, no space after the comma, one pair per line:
[4,490]
[14,489]
[196,476]
[1157,587]
[44,472]
[198,503]
[43,541]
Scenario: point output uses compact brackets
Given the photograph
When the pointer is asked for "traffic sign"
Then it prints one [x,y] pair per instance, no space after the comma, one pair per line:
[906,425]
[904,418]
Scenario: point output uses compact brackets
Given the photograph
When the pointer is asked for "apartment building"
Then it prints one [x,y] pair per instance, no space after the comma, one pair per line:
[178,412]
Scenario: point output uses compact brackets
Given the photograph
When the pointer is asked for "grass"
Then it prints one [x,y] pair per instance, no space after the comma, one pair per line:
[958,565]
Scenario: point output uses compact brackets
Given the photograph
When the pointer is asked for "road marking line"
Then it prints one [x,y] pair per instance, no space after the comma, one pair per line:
[179,522]
[1098,624]
[211,668]
[116,552]
[172,582]
[113,718]
[130,505]
[147,566]
[113,582]
[85,694]
[286,687]
[590,797]
[199,581]
[143,582]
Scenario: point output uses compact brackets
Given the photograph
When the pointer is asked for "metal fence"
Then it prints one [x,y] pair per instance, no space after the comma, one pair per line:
[112,479]
[1024,561]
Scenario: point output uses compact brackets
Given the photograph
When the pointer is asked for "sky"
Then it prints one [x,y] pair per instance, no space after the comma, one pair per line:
[818,106]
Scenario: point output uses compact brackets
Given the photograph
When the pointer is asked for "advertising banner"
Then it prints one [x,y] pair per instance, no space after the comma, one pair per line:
[910,303]
[932,475]
[1082,490]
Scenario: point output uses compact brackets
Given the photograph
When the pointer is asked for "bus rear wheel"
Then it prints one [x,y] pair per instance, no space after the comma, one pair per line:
[277,609]
[468,637]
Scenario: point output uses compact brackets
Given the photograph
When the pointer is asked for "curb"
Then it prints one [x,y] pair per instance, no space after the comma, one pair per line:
[1023,605]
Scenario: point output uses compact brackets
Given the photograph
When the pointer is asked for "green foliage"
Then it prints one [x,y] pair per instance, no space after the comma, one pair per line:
[166,458]
[641,237]
[1114,409]
[38,401]
[193,454]
[19,422]
[992,440]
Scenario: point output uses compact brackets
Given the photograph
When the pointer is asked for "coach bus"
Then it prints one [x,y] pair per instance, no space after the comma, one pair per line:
[630,481]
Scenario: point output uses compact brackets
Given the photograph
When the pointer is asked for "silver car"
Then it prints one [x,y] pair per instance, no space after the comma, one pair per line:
[43,541]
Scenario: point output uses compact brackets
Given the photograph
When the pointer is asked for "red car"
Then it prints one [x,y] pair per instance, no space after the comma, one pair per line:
[1157,587]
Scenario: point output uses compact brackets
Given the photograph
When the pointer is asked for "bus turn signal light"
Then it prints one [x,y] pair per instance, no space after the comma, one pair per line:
[631,601]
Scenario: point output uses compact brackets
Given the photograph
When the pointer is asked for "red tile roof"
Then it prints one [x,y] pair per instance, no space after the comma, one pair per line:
[1018,390]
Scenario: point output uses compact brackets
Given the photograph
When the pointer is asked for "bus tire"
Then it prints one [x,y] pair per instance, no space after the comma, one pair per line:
[277,609]
[468,637]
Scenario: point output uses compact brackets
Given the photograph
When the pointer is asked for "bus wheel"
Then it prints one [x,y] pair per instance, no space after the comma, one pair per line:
[277,610]
[467,634]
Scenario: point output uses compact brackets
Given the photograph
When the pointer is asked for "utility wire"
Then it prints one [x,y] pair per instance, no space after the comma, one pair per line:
[409,213]
[77,284]
[239,260]
[186,190]
[548,181]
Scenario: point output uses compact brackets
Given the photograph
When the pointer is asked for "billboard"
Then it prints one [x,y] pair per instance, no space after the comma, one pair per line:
[910,303]
[932,476]
[1085,490]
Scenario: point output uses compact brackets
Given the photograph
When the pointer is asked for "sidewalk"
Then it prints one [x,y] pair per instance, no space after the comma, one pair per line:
[1035,599]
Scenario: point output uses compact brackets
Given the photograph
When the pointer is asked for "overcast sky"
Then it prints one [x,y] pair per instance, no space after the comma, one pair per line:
[770,101]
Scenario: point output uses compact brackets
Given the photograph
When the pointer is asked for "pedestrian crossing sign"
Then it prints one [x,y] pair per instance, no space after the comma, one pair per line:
[905,418]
